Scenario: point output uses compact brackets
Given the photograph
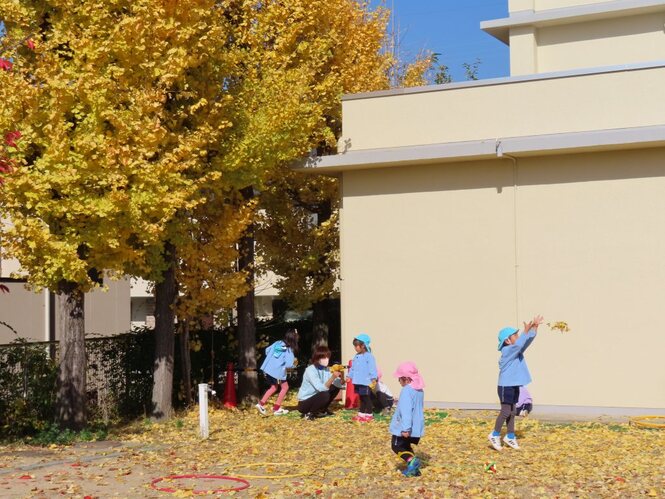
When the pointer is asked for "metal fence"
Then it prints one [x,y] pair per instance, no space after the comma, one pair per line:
[120,373]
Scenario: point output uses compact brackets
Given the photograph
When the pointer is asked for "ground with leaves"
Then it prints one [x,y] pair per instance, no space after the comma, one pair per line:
[335,457]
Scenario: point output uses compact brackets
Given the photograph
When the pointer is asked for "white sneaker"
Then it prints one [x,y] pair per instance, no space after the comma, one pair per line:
[261,409]
[495,441]
[280,412]
[511,442]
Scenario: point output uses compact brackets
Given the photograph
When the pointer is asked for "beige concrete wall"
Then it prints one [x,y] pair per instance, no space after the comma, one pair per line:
[427,271]
[431,256]
[8,266]
[108,312]
[605,42]
[598,101]
[595,260]
[523,51]
[558,4]
[24,311]
[519,5]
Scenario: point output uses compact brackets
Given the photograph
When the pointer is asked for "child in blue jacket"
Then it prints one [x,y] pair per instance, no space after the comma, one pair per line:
[279,356]
[364,375]
[513,373]
[408,423]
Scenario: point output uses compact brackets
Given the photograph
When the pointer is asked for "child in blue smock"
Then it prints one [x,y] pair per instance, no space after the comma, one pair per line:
[364,374]
[408,423]
[279,356]
[513,373]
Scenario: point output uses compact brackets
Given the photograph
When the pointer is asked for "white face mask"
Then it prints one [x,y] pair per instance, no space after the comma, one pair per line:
[324,361]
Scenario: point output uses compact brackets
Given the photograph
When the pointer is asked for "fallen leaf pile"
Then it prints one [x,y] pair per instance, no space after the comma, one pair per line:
[286,456]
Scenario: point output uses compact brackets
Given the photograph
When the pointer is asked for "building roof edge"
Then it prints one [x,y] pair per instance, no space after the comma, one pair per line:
[507,80]
[500,28]
[534,145]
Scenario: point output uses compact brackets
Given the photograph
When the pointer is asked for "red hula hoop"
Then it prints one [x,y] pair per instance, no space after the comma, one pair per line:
[245,483]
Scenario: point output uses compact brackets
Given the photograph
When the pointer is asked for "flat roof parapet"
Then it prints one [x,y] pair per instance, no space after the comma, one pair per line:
[506,80]
[500,28]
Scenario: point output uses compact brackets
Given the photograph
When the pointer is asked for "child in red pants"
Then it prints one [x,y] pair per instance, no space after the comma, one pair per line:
[279,356]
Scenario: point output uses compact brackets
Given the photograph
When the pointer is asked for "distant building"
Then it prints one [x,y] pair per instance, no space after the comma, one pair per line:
[33,315]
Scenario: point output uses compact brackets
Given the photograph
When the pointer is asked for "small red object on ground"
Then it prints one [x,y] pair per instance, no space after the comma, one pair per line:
[230,389]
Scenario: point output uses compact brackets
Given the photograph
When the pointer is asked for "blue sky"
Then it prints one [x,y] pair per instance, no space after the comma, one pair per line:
[452,28]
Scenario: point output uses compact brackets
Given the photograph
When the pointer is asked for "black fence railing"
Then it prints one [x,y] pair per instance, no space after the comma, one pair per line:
[119,373]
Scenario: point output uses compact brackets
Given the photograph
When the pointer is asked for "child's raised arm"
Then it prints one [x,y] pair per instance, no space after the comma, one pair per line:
[533,323]
[536,321]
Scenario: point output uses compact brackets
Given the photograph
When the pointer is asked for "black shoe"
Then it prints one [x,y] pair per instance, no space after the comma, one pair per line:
[309,416]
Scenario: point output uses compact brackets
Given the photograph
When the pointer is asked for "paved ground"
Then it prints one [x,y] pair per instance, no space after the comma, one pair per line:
[84,469]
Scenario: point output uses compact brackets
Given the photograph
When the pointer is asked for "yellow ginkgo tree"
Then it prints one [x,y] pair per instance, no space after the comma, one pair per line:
[134,115]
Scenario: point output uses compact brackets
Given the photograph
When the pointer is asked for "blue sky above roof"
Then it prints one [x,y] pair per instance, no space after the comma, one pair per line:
[451,28]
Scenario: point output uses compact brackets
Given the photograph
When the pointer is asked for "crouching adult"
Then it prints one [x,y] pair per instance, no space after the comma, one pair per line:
[319,386]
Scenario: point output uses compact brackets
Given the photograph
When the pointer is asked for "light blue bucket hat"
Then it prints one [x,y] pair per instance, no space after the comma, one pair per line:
[505,333]
[365,339]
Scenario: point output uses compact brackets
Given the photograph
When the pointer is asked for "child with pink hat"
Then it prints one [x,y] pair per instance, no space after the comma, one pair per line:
[408,423]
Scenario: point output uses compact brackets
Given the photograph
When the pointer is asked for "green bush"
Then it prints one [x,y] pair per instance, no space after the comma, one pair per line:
[51,434]
[27,388]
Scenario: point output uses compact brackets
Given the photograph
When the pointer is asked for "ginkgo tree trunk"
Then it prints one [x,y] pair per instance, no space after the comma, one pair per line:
[71,381]
[248,381]
[166,292]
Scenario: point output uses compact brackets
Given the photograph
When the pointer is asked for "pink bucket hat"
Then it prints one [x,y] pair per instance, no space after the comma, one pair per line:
[409,370]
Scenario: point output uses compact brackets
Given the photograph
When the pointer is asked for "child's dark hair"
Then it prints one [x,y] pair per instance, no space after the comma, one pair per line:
[320,352]
[357,342]
[291,339]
